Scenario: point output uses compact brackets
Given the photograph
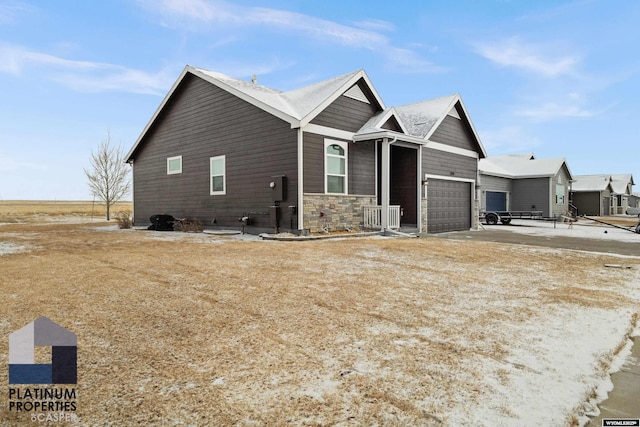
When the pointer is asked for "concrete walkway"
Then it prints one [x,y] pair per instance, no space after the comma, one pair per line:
[624,399]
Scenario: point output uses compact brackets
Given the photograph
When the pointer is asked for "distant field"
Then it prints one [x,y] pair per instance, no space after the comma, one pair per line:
[14,211]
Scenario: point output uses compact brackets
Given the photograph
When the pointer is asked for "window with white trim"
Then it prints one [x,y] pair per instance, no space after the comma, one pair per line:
[335,166]
[218,179]
[174,165]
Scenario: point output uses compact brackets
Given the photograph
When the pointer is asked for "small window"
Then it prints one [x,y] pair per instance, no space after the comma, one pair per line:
[560,194]
[174,165]
[218,178]
[335,167]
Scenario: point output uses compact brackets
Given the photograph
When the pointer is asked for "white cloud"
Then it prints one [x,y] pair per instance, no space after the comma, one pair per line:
[205,16]
[508,140]
[16,59]
[538,59]
[85,76]
[555,110]
[118,79]
[375,25]
[10,11]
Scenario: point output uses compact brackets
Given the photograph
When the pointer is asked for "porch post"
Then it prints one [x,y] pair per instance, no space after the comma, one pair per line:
[385,185]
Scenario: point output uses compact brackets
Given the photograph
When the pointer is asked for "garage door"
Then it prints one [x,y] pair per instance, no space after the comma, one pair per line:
[448,206]
[496,201]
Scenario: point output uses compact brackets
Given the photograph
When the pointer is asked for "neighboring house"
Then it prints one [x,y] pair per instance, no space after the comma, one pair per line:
[634,204]
[520,182]
[326,156]
[603,194]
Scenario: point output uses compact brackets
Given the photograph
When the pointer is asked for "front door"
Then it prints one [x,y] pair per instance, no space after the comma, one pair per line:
[403,188]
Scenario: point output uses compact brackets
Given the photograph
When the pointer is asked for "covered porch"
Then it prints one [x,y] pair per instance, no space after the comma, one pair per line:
[399,189]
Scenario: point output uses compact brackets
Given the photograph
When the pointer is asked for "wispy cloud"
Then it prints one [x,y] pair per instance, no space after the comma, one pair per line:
[85,76]
[538,59]
[509,139]
[17,58]
[205,15]
[556,110]
[11,10]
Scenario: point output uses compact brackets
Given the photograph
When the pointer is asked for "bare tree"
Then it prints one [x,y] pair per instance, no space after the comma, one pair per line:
[109,174]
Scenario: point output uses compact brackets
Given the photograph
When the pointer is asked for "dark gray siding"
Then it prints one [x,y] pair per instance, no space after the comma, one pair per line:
[361,169]
[313,164]
[202,121]
[531,194]
[454,132]
[588,203]
[362,166]
[438,162]
[346,114]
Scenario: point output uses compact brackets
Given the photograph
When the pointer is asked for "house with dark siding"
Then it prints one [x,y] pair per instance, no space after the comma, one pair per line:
[520,182]
[328,156]
[603,194]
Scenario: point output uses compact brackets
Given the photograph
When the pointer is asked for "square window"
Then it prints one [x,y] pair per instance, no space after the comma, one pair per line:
[174,165]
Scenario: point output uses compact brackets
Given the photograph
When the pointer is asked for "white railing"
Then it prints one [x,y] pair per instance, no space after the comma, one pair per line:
[373,216]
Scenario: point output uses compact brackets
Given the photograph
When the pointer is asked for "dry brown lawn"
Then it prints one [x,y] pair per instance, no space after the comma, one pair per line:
[16,211]
[203,330]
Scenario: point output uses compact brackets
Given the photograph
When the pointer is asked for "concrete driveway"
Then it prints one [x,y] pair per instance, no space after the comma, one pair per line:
[498,234]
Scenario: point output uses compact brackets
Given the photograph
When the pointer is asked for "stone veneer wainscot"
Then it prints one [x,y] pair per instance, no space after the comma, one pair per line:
[341,211]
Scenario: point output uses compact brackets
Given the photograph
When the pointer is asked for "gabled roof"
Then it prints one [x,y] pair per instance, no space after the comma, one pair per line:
[420,120]
[618,184]
[585,183]
[376,123]
[522,166]
[297,107]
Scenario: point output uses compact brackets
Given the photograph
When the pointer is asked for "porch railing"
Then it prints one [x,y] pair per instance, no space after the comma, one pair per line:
[373,216]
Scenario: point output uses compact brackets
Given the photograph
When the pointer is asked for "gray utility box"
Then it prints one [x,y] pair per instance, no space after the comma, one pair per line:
[278,188]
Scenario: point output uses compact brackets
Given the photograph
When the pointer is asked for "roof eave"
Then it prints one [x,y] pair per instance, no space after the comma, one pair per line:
[133,149]
[294,121]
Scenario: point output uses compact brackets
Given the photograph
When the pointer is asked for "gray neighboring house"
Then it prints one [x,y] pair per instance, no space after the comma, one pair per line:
[602,194]
[327,156]
[520,182]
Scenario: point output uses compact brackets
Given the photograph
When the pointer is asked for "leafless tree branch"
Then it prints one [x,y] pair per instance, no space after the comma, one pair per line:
[109,174]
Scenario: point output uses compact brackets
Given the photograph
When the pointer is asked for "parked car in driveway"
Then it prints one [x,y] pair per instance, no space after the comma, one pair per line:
[633,211]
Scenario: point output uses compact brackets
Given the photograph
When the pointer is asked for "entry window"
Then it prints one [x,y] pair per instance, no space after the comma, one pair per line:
[174,165]
[218,176]
[335,167]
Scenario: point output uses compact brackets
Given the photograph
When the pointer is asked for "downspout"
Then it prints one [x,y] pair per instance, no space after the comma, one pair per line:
[300,181]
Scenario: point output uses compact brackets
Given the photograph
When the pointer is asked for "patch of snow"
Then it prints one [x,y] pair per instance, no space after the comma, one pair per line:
[585,229]
[10,248]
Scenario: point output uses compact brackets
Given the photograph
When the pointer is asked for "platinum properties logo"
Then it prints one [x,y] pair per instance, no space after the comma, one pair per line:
[51,342]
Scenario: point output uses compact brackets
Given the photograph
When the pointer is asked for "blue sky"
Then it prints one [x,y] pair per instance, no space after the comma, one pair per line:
[557,78]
